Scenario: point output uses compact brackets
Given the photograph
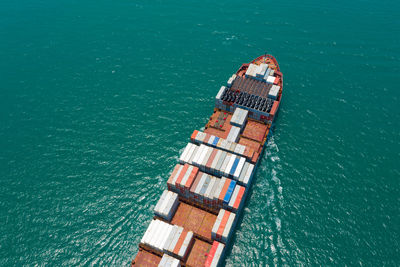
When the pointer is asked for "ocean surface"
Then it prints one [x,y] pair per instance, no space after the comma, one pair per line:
[97,99]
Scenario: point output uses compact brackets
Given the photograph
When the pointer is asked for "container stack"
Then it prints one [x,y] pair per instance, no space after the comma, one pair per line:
[167,205]
[250,73]
[215,254]
[262,69]
[223,226]
[182,178]
[217,162]
[168,261]
[235,202]
[188,153]
[233,135]
[221,143]
[246,175]
[273,93]
[270,79]
[178,242]
[231,80]
[267,73]
[239,118]
[156,235]
[218,99]
[211,191]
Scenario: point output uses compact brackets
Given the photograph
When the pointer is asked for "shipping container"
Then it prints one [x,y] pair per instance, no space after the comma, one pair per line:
[168,261]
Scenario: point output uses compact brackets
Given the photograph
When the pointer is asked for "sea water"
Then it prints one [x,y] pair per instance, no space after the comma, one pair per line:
[97,99]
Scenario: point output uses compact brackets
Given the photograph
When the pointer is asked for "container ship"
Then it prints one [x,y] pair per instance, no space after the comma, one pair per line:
[196,215]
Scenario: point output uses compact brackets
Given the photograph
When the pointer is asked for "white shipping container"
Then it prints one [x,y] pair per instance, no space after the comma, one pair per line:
[197,156]
[240,149]
[220,186]
[221,161]
[273,93]
[249,70]
[204,187]
[239,168]
[201,183]
[229,165]
[243,172]
[171,207]
[232,147]
[233,135]
[147,233]
[165,234]
[190,161]
[169,261]
[220,92]
[208,154]
[214,188]
[160,201]
[263,69]
[185,151]
[270,79]
[249,174]
[159,236]
[190,152]
[165,202]
[223,166]
[203,154]
[156,234]
[215,161]
[211,140]
[209,189]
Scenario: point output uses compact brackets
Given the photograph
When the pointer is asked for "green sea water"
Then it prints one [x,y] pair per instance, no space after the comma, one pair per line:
[97,99]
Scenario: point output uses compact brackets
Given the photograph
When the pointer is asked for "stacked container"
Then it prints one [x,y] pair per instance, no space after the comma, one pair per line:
[270,79]
[231,80]
[273,93]
[218,162]
[188,153]
[218,100]
[222,144]
[233,135]
[215,254]
[239,118]
[182,179]
[267,74]
[211,191]
[167,205]
[223,226]
[168,261]
[246,174]
[250,73]
[178,242]
[156,236]
[261,71]
[235,202]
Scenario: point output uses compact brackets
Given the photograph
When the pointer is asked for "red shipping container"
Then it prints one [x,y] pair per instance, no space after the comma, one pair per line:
[194,134]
